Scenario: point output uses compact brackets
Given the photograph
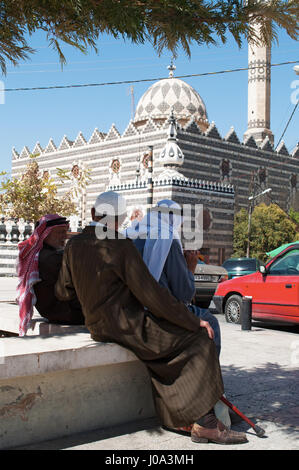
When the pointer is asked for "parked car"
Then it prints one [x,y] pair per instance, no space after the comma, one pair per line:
[274,289]
[241,266]
[207,277]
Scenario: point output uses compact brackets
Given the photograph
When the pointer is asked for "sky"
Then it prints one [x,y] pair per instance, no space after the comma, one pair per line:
[28,117]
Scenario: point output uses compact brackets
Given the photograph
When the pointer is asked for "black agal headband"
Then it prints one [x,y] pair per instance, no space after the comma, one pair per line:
[54,222]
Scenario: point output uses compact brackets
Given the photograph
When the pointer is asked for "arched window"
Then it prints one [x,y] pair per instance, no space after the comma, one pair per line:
[75,171]
[207,219]
[145,160]
[225,168]
[115,166]
[294,181]
[262,174]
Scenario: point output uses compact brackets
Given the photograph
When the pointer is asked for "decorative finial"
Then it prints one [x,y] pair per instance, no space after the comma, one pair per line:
[172,133]
[171,68]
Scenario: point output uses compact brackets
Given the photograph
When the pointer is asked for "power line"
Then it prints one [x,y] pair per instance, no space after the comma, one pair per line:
[125,82]
[287,125]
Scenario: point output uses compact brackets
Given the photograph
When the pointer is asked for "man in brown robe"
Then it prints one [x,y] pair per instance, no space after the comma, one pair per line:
[123,303]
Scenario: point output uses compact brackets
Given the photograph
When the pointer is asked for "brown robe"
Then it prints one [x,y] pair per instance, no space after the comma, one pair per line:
[47,305]
[113,286]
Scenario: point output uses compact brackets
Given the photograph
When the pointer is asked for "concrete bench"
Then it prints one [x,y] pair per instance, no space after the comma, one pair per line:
[63,382]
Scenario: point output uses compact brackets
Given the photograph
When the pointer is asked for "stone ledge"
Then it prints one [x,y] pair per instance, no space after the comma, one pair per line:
[9,321]
[51,347]
[35,355]
[57,385]
[57,381]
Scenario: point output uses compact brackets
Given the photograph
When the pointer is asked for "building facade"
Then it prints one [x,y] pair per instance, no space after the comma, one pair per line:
[192,163]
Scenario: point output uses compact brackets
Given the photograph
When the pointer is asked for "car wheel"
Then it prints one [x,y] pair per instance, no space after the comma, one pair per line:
[232,309]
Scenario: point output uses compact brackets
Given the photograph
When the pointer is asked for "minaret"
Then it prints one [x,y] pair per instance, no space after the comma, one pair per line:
[259,92]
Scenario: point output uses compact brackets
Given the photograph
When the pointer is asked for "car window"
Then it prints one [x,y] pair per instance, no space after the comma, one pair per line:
[241,265]
[288,265]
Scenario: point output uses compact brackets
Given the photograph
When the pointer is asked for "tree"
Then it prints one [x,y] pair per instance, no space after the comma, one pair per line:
[167,24]
[33,195]
[240,232]
[270,228]
[294,215]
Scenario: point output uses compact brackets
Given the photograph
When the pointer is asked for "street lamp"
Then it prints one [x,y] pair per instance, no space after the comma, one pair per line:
[296,69]
[260,194]
[251,198]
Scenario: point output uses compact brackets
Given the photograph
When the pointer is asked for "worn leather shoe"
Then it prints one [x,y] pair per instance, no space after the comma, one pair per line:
[219,434]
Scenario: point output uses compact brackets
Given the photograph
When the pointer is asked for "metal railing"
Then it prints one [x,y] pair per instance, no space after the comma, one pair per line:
[13,231]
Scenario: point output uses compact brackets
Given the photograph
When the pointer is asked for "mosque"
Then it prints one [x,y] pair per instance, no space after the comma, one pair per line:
[171,150]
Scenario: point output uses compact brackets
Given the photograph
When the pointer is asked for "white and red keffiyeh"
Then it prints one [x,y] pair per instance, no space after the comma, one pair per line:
[28,267]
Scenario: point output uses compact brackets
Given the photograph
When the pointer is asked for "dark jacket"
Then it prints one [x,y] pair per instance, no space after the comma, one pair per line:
[175,275]
[47,304]
[114,286]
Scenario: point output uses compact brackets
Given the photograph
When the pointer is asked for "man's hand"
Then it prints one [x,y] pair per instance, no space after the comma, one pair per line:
[205,324]
[191,257]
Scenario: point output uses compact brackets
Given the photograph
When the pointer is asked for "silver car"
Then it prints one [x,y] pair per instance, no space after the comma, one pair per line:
[207,278]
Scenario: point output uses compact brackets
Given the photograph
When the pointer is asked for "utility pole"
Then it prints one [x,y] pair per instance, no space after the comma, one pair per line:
[250,199]
[251,186]
[249,230]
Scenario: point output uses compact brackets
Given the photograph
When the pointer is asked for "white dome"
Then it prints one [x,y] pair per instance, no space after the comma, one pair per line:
[167,94]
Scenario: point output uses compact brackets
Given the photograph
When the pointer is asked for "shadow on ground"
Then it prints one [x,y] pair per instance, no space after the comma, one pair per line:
[268,393]
[265,394]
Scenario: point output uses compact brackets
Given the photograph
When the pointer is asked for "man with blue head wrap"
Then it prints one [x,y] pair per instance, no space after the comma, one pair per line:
[157,238]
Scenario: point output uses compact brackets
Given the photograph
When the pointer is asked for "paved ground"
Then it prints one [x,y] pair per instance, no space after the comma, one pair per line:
[7,288]
[261,375]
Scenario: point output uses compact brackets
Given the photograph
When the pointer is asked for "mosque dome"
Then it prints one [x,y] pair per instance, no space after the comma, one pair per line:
[171,94]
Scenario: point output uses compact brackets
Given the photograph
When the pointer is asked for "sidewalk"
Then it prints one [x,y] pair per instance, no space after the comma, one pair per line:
[261,375]
[8,289]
